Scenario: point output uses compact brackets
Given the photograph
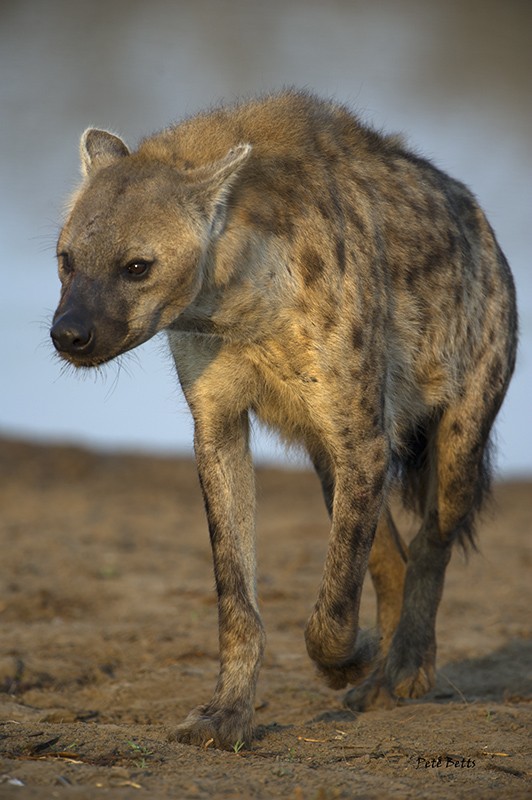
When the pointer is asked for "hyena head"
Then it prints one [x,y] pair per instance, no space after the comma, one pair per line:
[133,250]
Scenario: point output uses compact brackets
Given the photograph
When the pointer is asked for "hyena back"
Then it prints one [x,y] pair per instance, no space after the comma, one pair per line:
[352,296]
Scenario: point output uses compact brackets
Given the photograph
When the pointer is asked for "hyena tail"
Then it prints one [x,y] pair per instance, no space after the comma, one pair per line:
[418,479]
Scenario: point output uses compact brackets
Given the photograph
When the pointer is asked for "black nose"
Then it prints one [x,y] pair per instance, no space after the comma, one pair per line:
[72,335]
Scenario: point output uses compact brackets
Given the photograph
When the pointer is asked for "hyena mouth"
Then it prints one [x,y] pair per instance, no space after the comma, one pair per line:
[86,363]
[77,341]
[89,352]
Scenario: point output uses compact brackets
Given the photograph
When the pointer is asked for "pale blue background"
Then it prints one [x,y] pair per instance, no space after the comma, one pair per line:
[454,75]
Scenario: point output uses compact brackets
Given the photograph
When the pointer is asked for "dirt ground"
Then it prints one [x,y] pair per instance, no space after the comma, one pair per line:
[109,637]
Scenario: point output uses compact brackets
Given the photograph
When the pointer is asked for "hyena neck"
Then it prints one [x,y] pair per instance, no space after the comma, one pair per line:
[247,288]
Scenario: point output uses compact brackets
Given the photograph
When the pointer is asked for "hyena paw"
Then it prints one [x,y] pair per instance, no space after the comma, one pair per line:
[354,669]
[373,693]
[415,683]
[410,666]
[206,725]
[384,687]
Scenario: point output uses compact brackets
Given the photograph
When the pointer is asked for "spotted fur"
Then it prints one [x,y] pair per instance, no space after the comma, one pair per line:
[321,275]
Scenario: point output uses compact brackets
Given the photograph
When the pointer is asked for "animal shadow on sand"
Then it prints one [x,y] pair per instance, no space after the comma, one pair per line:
[503,676]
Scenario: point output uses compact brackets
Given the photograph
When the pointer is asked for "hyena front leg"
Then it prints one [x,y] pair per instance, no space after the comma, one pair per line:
[331,633]
[226,476]
[221,441]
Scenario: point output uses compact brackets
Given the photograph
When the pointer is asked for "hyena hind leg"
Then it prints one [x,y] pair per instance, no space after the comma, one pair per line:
[342,653]
[387,567]
[458,477]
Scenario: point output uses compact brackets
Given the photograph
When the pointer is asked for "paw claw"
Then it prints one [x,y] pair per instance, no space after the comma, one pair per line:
[371,694]
[221,728]
[410,670]
[416,684]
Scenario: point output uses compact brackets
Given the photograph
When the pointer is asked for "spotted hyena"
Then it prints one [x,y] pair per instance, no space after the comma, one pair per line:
[349,294]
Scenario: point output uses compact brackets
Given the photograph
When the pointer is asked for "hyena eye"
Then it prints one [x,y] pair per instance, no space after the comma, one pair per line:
[138,268]
[65,263]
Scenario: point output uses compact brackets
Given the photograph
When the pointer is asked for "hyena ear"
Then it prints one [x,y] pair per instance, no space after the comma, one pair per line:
[99,149]
[211,184]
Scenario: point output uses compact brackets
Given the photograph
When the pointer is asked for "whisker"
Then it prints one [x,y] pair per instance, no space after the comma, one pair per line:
[114,384]
[80,372]
[46,344]
[44,322]
[128,357]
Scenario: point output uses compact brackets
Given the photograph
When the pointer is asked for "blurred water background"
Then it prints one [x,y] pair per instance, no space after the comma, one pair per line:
[454,75]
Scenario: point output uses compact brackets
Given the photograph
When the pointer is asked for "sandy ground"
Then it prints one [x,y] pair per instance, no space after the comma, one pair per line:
[109,637]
